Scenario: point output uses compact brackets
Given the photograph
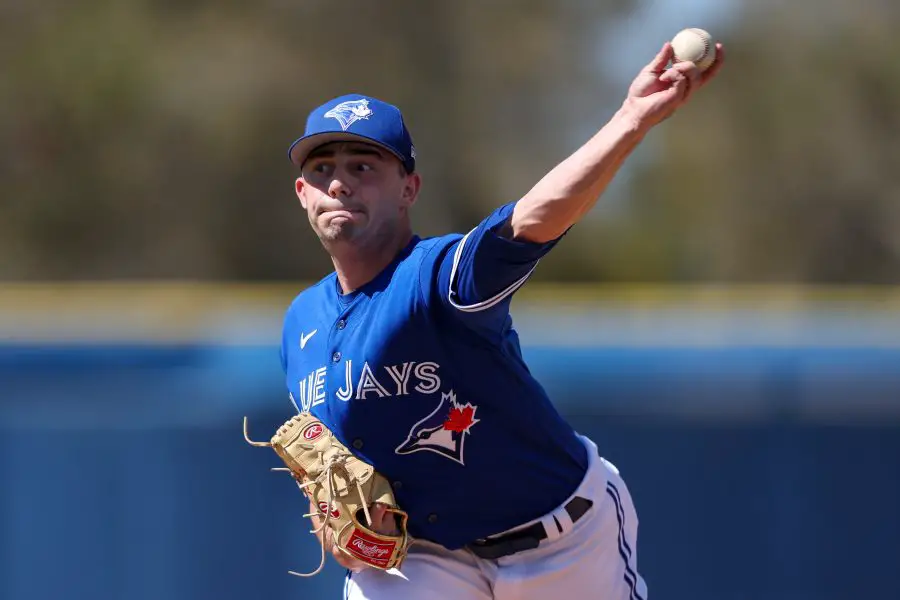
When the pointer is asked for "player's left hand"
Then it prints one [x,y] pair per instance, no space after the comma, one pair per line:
[363,526]
[382,522]
[661,88]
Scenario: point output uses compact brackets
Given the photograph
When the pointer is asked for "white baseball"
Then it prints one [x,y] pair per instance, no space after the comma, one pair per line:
[695,45]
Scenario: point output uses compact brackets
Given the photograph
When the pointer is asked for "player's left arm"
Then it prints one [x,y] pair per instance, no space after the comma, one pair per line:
[571,189]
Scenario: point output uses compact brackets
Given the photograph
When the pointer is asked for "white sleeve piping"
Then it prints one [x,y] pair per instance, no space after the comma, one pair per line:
[485,304]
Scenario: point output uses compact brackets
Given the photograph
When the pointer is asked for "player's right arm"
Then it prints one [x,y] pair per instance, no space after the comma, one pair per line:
[473,278]
[477,277]
[571,189]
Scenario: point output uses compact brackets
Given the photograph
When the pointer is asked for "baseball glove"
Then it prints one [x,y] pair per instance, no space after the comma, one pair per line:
[343,487]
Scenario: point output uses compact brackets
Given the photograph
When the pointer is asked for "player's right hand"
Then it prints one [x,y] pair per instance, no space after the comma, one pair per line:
[659,90]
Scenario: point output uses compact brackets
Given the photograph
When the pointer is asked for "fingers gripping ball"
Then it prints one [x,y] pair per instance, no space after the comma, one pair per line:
[343,487]
[695,45]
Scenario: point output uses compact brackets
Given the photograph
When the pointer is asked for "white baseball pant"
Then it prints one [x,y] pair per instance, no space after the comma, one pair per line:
[596,557]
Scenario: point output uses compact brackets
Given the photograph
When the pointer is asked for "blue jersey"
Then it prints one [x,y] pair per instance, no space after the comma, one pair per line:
[419,372]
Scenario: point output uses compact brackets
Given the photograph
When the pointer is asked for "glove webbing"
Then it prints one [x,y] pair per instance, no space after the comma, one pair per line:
[335,462]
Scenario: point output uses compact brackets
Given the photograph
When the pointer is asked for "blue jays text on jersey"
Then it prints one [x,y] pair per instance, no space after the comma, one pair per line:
[420,373]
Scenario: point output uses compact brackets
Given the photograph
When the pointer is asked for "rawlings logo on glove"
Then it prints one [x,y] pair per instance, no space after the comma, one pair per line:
[331,476]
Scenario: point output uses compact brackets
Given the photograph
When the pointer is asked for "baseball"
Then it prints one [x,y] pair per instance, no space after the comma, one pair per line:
[695,45]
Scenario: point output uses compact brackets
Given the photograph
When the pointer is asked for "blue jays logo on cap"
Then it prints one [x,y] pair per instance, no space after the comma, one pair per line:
[356,118]
[443,431]
[350,111]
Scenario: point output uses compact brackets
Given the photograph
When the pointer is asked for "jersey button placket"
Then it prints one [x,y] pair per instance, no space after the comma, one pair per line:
[336,356]
[338,374]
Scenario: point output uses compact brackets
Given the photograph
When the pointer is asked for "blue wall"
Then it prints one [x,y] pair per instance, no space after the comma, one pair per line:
[757,472]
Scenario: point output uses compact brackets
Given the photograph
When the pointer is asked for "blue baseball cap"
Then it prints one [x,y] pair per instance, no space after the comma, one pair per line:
[356,118]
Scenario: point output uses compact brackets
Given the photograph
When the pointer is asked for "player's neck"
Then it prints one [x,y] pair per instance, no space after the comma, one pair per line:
[355,267]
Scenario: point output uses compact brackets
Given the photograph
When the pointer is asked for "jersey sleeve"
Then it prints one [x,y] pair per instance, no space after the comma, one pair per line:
[283,355]
[479,274]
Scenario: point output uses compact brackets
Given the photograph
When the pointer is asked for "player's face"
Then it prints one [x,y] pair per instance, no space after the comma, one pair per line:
[356,193]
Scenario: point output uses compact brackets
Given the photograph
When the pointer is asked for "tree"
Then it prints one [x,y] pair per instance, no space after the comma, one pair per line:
[786,168]
[148,139]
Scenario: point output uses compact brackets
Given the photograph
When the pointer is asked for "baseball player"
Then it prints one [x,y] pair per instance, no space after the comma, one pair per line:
[407,354]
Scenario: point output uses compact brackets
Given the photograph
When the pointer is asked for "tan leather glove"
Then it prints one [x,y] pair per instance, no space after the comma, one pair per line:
[331,476]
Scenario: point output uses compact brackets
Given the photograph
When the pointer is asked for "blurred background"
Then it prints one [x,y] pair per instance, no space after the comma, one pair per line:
[725,324]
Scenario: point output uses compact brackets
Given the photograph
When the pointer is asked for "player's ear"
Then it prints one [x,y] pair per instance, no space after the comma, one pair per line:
[411,186]
[299,186]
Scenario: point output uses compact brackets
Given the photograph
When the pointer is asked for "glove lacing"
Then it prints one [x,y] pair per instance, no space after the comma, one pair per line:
[336,462]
